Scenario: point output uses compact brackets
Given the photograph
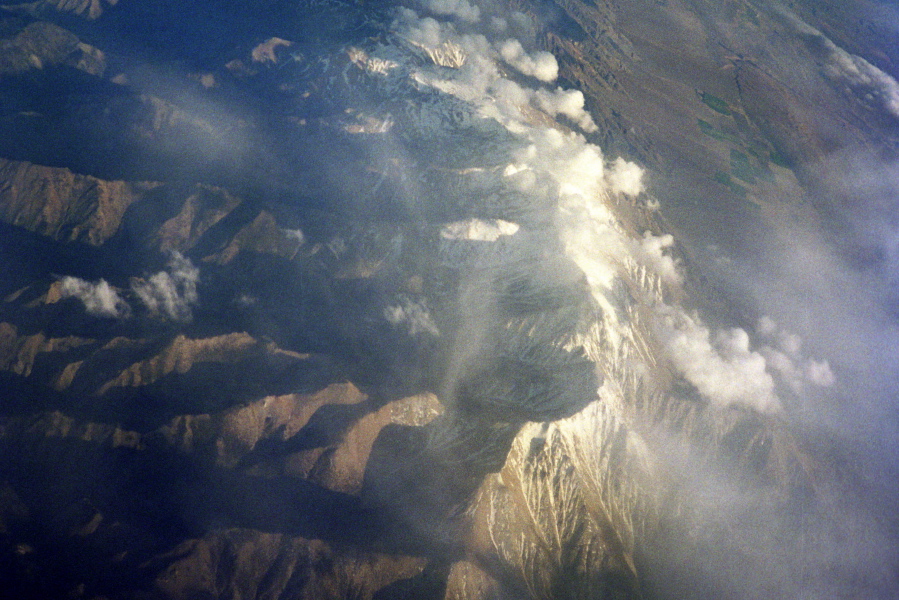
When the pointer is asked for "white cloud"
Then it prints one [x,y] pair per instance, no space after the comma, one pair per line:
[413,315]
[766,326]
[819,373]
[524,26]
[455,8]
[173,292]
[589,231]
[477,79]
[541,65]
[852,69]
[578,170]
[651,250]
[566,102]
[488,230]
[100,299]
[423,31]
[857,71]
[790,343]
[726,367]
[723,368]
[625,177]
[785,360]
[577,166]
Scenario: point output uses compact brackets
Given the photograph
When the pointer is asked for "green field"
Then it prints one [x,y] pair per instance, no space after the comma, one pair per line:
[725,180]
[713,132]
[715,103]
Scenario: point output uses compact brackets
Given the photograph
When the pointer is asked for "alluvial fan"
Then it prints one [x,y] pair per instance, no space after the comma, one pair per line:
[445,299]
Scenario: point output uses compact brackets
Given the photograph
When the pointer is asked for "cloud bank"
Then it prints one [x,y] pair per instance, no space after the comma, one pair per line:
[635,275]
[850,69]
[725,366]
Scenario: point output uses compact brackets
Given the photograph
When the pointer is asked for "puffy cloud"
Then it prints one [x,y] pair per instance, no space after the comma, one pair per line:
[509,94]
[511,98]
[488,230]
[472,81]
[766,326]
[588,229]
[173,292]
[412,315]
[858,72]
[425,31]
[522,25]
[581,177]
[100,299]
[583,181]
[541,65]
[785,359]
[651,251]
[429,33]
[726,367]
[625,177]
[477,79]
[791,343]
[577,166]
[819,373]
[843,311]
[461,9]
[723,368]
[566,102]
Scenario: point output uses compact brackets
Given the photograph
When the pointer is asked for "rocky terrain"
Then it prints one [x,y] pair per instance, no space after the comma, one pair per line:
[445,301]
